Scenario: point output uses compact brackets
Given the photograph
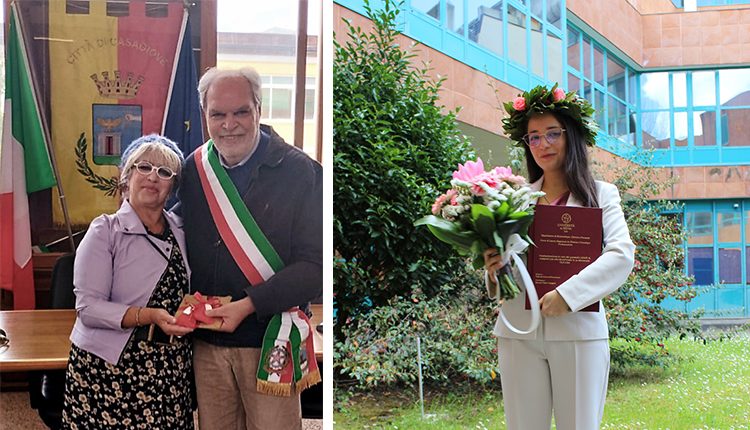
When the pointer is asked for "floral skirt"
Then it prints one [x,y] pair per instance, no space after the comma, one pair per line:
[148,389]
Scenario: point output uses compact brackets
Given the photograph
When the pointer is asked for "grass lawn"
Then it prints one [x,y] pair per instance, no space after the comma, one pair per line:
[708,389]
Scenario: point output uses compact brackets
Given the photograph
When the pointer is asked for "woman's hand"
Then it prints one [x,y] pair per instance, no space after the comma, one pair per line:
[552,304]
[165,321]
[493,262]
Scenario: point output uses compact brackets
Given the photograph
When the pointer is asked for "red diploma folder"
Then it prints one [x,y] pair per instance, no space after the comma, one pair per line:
[567,239]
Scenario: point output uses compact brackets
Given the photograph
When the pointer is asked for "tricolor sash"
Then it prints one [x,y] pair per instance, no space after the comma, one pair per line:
[288,354]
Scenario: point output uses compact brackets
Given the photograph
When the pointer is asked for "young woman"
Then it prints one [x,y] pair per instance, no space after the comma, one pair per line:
[563,365]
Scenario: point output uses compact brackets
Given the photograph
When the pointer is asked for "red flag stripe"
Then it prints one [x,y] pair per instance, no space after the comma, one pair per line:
[229,239]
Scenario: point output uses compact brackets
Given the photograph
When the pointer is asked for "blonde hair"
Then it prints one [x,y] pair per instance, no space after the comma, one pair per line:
[160,146]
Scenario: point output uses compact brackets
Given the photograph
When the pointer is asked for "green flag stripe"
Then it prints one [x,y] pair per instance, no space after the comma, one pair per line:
[272,332]
[295,339]
[26,123]
[257,236]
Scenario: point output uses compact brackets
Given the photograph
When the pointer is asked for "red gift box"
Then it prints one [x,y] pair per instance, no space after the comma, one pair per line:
[192,311]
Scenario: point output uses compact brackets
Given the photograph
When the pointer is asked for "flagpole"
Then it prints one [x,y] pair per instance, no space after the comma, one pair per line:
[45,128]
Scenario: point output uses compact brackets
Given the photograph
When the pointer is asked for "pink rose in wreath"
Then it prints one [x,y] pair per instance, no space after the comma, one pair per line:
[558,94]
[519,103]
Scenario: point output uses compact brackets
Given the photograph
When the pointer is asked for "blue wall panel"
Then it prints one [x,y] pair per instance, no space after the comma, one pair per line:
[482,60]
[427,28]
[705,156]
[453,45]
[731,300]
[707,301]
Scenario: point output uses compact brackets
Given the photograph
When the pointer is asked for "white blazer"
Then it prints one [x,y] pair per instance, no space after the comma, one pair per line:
[599,279]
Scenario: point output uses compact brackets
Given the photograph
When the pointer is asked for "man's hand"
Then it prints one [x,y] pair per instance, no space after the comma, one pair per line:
[552,304]
[232,314]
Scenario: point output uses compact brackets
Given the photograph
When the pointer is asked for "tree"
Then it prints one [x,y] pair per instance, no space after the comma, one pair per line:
[394,151]
[635,311]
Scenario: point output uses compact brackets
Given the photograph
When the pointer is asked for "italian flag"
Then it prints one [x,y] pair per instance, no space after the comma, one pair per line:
[24,168]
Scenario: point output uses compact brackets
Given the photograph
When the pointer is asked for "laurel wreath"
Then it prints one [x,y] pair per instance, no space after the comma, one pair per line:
[108,185]
[540,99]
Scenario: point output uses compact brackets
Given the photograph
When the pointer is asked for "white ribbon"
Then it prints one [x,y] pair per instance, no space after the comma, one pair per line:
[513,247]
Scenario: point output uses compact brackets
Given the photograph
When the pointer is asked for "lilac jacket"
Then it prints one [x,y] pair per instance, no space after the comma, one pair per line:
[116,267]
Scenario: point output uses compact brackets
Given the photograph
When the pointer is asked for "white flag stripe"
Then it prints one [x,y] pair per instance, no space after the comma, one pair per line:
[304,329]
[6,153]
[13,180]
[243,238]
[285,329]
[281,340]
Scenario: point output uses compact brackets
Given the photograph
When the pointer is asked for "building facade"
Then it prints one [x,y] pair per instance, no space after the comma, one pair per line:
[664,75]
[273,55]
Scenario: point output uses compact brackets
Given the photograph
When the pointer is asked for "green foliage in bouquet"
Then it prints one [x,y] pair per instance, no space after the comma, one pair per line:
[485,209]
[484,228]
[394,148]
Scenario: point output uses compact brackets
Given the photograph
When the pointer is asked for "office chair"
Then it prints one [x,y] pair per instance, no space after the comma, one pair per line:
[311,400]
[47,388]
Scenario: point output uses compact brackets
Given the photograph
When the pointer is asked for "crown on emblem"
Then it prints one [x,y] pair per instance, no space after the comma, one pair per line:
[119,87]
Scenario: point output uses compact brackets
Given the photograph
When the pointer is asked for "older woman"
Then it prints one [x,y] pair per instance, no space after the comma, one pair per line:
[129,365]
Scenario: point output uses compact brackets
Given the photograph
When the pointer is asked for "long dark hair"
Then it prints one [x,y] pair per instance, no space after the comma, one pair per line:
[577,174]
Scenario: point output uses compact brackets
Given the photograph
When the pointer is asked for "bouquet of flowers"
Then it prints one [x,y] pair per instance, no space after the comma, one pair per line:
[485,209]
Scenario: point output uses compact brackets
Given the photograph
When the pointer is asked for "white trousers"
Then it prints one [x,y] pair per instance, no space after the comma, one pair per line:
[567,377]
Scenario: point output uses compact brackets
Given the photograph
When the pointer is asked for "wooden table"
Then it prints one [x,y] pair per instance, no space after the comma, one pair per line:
[39,339]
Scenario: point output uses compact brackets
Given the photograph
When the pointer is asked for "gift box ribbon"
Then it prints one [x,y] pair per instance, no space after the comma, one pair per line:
[195,313]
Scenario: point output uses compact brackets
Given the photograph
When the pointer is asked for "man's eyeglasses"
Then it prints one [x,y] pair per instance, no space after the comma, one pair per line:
[552,135]
[4,339]
[145,168]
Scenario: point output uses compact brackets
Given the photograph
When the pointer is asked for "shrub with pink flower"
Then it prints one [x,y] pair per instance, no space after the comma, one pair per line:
[483,209]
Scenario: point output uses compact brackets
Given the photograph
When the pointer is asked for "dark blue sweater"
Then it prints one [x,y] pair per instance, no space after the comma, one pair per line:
[283,189]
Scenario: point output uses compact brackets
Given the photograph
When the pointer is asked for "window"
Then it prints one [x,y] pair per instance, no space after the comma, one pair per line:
[598,75]
[679,89]
[703,107]
[734,87]
[454,19]
[486,24]
[430,7]
[265,38]
[517,33]
[118,8]
[554,57]
[718,251]
[574,49]
[704,88]
[729,224]
[77,7]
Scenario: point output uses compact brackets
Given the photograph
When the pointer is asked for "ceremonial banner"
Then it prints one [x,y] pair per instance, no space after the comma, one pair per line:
[567,239]
[110,65]
[24,168]
[183,123]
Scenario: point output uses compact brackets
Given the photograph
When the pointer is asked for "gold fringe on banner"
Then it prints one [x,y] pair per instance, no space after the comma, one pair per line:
[274,388]
[308,380]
